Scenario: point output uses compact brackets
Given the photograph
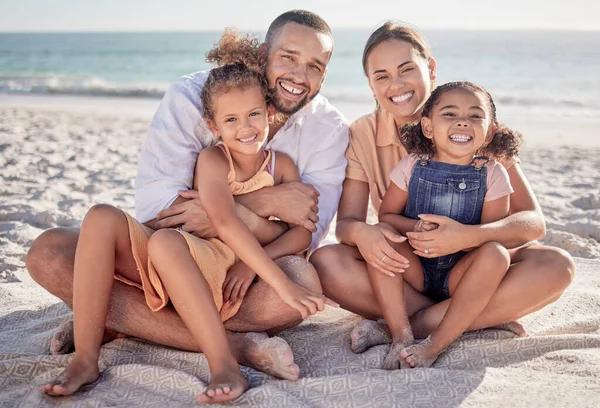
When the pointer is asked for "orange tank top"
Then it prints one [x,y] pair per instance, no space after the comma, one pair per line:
[261,179]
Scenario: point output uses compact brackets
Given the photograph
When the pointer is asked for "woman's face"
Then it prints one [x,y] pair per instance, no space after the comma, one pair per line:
[400,79]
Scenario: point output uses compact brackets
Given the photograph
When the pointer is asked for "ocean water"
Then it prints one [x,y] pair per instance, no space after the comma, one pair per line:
[529,72]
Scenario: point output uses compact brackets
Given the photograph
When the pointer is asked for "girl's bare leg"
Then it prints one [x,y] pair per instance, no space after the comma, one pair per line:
[472,283]
[104,234]
[192,298]
[389,292]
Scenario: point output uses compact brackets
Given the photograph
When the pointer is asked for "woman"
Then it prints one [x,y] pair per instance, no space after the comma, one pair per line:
[401,73]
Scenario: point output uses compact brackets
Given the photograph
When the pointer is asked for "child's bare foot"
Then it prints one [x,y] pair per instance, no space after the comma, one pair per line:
[422,354]
[393,361]
[514,326]
[369,333]
[224,386]
[271,355]
[79,372]
[63,339]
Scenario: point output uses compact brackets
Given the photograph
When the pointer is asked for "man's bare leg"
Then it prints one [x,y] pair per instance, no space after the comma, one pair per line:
[537,277]
[50,263]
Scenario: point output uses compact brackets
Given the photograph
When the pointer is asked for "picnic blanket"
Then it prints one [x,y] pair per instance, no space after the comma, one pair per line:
[557,365]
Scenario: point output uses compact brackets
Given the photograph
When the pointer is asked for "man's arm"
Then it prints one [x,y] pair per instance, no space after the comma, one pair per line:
[326,173]
[175,137]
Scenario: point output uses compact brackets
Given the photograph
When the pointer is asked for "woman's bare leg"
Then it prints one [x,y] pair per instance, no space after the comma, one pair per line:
[538,275]
[344,278]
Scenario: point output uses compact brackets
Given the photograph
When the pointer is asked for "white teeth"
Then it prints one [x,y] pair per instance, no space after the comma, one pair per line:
[248,140]
[402,98]
[460,138]
[291,89]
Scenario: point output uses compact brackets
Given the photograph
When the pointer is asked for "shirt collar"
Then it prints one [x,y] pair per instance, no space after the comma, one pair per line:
[387,131]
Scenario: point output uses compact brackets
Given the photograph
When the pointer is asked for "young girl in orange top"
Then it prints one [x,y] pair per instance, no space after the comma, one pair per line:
[445,176]
[177,266]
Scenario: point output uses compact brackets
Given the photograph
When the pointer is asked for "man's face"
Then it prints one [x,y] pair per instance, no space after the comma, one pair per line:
[296,66]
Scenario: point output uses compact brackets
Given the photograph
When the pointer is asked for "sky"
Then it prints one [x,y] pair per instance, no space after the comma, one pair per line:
[202,15]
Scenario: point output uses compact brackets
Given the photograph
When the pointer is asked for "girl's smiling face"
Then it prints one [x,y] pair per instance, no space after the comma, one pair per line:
[400,79]
[241,119]
[460,123]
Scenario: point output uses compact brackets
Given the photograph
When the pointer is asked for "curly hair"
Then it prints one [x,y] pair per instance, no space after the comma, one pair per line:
[240,64]
[505,143]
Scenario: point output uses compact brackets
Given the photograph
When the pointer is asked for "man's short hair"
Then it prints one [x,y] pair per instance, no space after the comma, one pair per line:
[302,17]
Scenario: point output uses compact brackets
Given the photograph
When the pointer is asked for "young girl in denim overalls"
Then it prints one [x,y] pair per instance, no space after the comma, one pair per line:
[447,174]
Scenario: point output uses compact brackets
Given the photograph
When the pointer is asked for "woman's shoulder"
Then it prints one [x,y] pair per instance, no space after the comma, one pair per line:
[365,126]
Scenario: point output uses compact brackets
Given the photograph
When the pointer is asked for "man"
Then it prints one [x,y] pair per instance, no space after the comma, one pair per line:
[298,46]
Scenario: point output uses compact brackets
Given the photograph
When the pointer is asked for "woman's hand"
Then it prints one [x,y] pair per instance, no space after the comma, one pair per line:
[372,242]
[303,300]
[447,238]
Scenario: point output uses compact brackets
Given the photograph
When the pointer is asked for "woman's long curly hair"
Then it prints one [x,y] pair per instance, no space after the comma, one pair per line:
[505,144]
[240,64]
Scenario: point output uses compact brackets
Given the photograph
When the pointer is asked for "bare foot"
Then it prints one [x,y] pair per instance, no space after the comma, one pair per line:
[63,339]
[369,333]
[514,326]
[79,372]
[393,360]
[271,355]
[422,354]
[224,386]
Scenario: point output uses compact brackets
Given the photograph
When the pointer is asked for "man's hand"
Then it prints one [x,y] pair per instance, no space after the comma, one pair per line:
[237,282]
[296,203]
[190,215]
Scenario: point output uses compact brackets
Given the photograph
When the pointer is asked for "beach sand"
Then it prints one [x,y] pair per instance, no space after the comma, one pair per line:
[61,155]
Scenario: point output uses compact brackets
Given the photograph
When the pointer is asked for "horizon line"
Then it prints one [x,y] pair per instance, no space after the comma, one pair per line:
[140,31]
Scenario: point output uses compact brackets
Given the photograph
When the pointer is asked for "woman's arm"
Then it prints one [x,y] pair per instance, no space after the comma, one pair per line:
[371,240]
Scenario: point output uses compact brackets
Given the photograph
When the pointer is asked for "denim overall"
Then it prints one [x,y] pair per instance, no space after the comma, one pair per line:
[452,190]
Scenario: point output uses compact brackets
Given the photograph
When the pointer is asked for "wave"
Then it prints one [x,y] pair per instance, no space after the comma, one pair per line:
[63,85]
[55,84]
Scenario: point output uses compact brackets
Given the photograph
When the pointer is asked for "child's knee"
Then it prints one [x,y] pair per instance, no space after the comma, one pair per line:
[161,242]
[104,216]
[496,254]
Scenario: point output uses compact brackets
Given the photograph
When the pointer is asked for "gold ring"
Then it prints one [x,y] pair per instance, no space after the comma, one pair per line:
[384,256]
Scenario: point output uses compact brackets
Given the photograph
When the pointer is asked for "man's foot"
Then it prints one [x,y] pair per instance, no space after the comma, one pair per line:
[369,333]
[271,355]
[514,326]
[422,354]
[63,339]
[79,372]
[224,386]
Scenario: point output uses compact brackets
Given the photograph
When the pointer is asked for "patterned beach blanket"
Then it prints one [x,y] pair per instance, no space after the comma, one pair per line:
[557,365]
